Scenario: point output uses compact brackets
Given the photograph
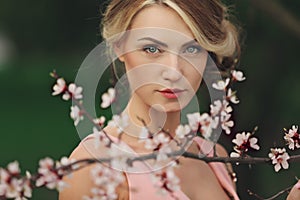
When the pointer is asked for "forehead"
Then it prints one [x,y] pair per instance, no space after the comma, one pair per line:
[160,18]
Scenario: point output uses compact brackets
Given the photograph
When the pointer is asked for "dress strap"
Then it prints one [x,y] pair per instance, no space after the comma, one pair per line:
[218,168]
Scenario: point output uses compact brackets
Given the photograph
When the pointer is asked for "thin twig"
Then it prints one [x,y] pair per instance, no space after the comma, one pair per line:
[272,197]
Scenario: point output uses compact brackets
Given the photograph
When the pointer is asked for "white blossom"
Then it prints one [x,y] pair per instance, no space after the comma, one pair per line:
[203,123]
[237,75]
[120,122]
[100,138]
[232,96]
[166,181]
[244,141]
[160,143]
[221,84]
[279,158]
[13,186]
[235,154]
[59,87]
[220,108]
[73,92]
[158,140]
[64,161]
[13,168]
[207,124]
[182,130]
[292,137]
[194,119]
[108,98]
[226,108]
[100,121]
[106,181]
[163,152]
[144,134]
[48,176]
[216,107]
[118,157]
[76,114]
[226,123]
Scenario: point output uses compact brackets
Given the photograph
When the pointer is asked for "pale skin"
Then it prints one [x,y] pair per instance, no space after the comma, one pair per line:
[197,180]
[295,192]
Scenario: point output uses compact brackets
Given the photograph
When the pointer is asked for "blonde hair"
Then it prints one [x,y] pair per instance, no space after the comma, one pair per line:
[207,20]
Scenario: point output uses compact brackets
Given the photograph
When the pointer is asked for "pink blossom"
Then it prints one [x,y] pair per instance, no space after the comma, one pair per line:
[108,98]
[279,158]
[292,137]
[221,85]
[59,87]
[237,75]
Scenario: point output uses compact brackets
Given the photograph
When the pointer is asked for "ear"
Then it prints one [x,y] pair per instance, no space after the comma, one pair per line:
[119,51]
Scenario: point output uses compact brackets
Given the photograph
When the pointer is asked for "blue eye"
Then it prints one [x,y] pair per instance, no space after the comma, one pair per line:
[151,49]
[192,50]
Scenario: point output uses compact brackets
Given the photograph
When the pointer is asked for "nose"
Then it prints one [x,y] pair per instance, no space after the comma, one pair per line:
[172,70]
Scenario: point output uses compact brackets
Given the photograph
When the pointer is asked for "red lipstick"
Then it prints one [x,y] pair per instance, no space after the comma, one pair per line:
[171,93]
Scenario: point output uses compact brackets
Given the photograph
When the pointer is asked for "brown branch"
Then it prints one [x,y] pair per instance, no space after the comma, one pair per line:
[182,152]
[272,197]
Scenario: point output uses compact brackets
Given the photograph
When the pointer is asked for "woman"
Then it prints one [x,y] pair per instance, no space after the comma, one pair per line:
[165,50]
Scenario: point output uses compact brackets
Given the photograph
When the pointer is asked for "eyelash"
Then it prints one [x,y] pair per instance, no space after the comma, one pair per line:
[148,47]
[196,47]
[158,50]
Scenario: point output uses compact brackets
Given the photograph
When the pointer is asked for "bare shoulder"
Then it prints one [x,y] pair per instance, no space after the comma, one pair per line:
[221,151]
[295,192]
[79,182]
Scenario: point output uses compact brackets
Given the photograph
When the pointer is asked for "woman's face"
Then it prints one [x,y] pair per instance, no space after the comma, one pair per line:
[164,63]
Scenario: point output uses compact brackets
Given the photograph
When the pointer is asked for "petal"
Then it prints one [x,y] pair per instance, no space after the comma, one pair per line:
[72,88]
[277,167]
[234,154]
[66,96]
[285,164]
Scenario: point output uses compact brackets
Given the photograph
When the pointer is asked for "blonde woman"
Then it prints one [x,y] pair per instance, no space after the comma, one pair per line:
[165,46]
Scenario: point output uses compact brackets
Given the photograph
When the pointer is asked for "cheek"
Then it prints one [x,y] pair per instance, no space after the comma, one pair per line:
[194,80]
[131,60]
[193,72]
[140,72]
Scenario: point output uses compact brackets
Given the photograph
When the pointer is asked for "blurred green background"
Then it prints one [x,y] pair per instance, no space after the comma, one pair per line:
[39,36]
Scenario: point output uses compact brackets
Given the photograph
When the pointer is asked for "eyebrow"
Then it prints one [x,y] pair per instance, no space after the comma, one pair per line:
[164,44]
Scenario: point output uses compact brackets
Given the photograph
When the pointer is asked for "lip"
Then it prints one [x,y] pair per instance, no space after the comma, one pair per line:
[171,93]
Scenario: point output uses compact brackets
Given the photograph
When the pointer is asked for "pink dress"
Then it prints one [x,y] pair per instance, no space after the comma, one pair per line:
[143,184]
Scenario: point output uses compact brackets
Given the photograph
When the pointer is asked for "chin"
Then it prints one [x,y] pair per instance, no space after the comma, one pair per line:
[169,108]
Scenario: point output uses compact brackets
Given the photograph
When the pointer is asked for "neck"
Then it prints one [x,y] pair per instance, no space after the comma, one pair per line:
[155,118]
